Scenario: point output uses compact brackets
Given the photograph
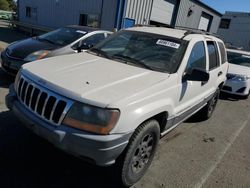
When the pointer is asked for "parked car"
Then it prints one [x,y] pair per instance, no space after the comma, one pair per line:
[113,103]
[6,15]
[238,77]
[66,40]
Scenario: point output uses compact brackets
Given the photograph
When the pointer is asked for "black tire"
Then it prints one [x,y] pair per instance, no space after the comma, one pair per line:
[139,153]
[207,111]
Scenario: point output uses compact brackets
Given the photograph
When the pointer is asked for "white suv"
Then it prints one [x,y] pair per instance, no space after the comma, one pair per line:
[114,103]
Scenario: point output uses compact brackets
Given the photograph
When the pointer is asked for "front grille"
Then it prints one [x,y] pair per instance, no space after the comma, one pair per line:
[241,90]
[227,88]
[44,103]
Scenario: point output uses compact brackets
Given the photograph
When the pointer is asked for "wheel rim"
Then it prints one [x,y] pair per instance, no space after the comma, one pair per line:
[213,104]
[142,153]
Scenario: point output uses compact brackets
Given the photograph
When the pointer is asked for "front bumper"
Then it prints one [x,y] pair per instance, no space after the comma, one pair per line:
[10,65]
[240,88]
[101,150]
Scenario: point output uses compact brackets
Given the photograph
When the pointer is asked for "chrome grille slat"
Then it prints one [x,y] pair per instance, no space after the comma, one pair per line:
[37,100]
[45,104]
[66,109]
[21,89]
[53,110]
[25,95]
[31,95]
[51,107]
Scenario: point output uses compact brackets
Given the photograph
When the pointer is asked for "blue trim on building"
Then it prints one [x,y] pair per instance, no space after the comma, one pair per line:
[119,14]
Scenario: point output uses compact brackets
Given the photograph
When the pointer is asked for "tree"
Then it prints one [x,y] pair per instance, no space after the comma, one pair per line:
[4,5]
[12,5]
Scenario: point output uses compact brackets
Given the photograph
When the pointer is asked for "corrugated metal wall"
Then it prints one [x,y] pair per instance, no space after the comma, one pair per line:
[193,20]
[59,13]
[238,32]
[139,10]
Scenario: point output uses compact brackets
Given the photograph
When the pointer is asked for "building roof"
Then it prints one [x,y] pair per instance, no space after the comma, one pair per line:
[208,7]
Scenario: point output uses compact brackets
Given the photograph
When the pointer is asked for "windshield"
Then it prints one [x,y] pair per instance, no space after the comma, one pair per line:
[62,36]
[238,59]
[151,51]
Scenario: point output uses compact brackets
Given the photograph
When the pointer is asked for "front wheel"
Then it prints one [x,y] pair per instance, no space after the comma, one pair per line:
[207,111]
[140,152]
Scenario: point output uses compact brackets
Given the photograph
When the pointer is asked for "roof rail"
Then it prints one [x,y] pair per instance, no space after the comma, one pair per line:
[195,31]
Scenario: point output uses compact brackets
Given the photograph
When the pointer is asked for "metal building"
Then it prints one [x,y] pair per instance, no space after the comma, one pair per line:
[110,14]
[234,29]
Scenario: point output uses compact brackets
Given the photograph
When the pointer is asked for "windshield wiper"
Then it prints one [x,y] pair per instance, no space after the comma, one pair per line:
[127,59]
[100,52]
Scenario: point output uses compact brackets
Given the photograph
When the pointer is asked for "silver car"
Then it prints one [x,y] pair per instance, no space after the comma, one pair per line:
[65,40]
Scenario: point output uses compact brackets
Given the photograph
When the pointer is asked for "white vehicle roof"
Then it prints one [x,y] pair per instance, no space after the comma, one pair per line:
[161,31]
[175,33]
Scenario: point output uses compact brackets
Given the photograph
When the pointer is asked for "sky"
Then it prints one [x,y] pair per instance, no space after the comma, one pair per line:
[229,5]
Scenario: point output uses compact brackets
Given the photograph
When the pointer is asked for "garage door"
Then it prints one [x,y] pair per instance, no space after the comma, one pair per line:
[204,22]
[162,11]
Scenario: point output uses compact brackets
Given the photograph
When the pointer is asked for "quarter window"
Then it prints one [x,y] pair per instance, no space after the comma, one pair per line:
[213,55]
[223,53]
[197,57]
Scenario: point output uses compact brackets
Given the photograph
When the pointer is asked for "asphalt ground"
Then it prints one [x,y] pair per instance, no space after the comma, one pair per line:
[213,153]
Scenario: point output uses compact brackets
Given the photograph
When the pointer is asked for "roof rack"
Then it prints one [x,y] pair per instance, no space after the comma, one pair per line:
[195,31]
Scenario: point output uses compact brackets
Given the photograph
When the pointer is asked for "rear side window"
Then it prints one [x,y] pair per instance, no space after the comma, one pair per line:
[197,57]
[223,53]
[213,55]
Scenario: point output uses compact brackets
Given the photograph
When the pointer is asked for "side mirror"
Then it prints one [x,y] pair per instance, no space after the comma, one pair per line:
[84,46]
[197,75]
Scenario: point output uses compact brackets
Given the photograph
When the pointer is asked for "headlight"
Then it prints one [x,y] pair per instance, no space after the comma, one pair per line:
[237,77]
[91,119]
[37,55]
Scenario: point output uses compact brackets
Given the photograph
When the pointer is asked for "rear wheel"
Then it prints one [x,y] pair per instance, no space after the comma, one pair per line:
[140,152]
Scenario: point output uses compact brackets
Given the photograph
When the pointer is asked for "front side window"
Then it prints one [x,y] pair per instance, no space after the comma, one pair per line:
[197,57]
[62,36]
[213,55]
[94,39]
[151,51]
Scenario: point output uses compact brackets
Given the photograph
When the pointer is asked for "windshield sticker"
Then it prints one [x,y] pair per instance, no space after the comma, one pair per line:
[168,43]
[82,32]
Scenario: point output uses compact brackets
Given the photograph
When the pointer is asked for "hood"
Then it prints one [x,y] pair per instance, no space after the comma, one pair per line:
[23,48]
[239,69]
[91,79]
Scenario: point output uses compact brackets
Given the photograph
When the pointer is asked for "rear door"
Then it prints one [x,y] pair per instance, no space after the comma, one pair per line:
[217,73]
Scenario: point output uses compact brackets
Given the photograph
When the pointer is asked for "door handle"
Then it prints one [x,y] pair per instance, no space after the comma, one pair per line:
[220,73]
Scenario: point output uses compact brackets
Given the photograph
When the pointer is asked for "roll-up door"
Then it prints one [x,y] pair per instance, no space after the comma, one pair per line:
[163,11]
[205,22]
